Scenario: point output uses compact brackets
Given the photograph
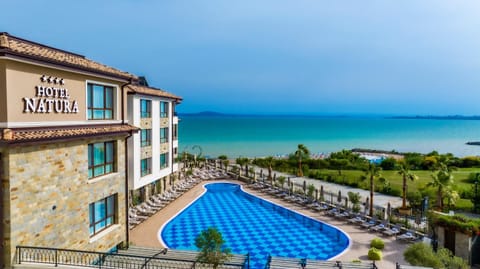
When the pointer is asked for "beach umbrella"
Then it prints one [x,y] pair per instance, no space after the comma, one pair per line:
[322,198]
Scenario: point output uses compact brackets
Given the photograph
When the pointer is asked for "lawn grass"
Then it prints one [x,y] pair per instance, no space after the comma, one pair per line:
[396,180]
[461,183]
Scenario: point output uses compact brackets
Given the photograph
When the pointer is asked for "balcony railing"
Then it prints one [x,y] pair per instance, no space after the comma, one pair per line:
[66,257]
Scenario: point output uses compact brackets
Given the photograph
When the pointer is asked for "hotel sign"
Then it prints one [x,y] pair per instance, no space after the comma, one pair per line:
[50,96]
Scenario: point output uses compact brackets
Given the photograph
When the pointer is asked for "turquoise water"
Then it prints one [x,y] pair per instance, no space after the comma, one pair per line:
[255,226]
[257,136]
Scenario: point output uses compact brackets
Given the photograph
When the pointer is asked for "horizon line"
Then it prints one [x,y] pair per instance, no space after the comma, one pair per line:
[332,115]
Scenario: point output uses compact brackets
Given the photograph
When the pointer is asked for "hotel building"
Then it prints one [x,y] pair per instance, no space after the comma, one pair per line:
[72,148]
[154,149]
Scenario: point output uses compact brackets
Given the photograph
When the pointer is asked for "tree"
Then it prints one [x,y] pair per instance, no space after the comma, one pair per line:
[226,163]
[242,161]
[388,163]
[339,164]
[354,198]
[302,152]
[372,172]
[269,162]
[442,179]
[281,181]
[310,190]
[211,245]
[222,159]
[406,174]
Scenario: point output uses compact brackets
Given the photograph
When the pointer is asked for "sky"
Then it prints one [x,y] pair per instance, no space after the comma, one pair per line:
[318,57]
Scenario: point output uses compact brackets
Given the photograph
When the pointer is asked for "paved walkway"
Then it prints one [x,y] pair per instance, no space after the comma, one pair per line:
[147,233]
[380,200]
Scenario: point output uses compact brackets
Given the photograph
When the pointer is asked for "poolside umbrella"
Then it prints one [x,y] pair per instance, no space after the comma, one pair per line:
[339,197]
[261,173]
[389,210]
[288,182]
[346,202]
[304,187]
[274,178]
[367,204]
[322,198]
[316,194]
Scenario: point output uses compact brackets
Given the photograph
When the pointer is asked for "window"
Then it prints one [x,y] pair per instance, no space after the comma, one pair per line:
[99,102]
[146,166]
[163,160]
[163,109]
[145,108]
[163,135]
[175,131]
[146,137]
[102,214]
[101,159]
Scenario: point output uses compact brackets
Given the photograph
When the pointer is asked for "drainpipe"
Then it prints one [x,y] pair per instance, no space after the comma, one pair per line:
[127,194]
[127,233]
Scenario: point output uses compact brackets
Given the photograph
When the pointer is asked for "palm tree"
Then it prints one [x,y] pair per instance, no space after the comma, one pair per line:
[269,162]
[301,153]
[241,161]
[222,158]
[406,174]
[372,172]
[442,179]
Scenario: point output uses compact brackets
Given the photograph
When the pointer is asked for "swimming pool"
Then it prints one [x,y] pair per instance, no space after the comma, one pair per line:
[253,225]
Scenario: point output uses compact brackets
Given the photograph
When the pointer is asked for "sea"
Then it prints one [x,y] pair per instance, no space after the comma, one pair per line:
[260,136]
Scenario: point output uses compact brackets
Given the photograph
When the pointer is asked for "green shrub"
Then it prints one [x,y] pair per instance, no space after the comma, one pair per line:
[374,254]
[377,243]
[449,261]
[421,254]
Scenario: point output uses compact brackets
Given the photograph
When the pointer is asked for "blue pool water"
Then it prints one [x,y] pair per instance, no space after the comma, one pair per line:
[253,225]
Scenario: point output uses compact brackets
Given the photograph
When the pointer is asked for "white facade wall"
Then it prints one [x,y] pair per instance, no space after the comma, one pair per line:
[136,181]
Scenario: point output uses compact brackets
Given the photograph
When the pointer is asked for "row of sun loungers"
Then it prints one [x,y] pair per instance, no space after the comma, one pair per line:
[335,211]
[208,174]
[141,212]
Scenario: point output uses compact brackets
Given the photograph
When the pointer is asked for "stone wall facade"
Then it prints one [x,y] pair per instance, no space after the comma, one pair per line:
[47,195]
[463,243]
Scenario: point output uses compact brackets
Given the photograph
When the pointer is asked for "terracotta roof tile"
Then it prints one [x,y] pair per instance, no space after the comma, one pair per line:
[152,91]
[16,135]
[18,46]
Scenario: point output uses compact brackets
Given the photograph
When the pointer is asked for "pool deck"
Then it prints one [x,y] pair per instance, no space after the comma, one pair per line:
[146,233]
